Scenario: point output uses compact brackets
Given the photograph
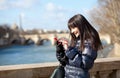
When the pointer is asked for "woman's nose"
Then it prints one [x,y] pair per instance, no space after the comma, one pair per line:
[72,31]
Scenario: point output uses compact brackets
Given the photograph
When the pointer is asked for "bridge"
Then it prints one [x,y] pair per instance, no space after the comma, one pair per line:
[36,38]
[40,38]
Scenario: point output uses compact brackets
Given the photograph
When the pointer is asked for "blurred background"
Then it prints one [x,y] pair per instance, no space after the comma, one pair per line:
[27,27]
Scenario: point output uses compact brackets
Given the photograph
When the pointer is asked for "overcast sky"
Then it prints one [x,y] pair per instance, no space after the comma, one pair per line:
[43,14]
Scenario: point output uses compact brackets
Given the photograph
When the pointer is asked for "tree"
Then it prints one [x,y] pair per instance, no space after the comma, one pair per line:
[2,31]
[107,16]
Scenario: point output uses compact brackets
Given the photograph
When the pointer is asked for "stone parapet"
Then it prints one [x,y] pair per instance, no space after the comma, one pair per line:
[103,68]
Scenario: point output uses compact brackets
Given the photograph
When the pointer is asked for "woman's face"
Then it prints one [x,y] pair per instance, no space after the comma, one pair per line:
[75,31]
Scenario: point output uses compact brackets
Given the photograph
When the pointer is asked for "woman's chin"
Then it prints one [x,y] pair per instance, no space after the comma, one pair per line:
[76,36]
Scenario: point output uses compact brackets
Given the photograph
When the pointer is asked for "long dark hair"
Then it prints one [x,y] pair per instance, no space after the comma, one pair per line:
[86,32]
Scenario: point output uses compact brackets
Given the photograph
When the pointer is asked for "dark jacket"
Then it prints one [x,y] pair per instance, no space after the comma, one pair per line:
[78,62]
[60,54]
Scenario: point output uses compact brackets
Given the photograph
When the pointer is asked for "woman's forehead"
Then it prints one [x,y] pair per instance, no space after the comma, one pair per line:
[72,26]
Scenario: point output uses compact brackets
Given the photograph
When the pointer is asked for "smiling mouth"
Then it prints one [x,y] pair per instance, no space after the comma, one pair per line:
[76,33]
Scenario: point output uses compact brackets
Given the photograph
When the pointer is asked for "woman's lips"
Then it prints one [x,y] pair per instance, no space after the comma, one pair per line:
[76,33]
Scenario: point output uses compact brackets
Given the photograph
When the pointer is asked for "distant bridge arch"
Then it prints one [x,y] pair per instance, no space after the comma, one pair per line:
[42,37]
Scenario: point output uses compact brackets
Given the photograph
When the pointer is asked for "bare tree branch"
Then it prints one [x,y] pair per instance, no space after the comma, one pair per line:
[107,16]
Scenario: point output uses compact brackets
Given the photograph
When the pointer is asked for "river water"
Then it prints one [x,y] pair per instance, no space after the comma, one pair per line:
[27,54]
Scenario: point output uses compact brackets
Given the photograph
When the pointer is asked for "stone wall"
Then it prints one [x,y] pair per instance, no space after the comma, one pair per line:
[103,68]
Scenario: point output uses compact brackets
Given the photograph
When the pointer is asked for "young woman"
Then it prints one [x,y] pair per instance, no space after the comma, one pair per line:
[79,57]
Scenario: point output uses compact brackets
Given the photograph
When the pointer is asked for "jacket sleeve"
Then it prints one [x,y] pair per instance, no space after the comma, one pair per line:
[71,52]
[88,56]
[60,54]
[61,58]
[74,56]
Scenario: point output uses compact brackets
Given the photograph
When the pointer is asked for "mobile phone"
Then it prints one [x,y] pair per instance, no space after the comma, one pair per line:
[57,41]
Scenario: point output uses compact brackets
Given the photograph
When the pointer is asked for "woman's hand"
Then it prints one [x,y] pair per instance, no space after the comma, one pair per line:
[64,43]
